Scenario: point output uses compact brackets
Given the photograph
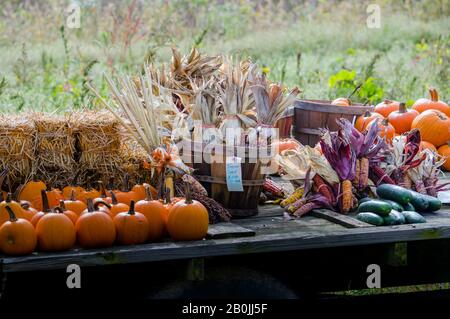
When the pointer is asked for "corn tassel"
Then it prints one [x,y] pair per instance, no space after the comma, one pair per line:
[296,195]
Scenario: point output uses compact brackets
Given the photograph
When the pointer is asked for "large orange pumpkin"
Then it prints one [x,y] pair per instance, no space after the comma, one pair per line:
[432,103]
[95,228]
[444,150]
[362,121]
[434,127]
[387,107]
[402,119]
[132,227]
[55,231]
[17,235]
[188,219]
[156,214]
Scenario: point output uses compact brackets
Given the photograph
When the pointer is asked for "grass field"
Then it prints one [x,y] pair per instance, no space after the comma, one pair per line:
[324,47]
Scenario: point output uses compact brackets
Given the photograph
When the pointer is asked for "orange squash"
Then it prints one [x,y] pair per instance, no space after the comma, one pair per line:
[432,103]
[402,119]
[17,235]
[362,121]
[434,127]
[444,151]
[387,107]
[131,227]
[188,219]
[156,214]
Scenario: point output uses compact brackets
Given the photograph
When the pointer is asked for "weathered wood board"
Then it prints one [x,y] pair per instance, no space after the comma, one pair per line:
[267,232]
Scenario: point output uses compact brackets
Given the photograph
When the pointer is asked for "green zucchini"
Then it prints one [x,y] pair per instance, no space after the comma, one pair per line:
[370,218]
[394,205]
[413,217]
[375,206]
[393,192]
[425,203]
[394,218]
[409,207]
[419,201]
[364,199]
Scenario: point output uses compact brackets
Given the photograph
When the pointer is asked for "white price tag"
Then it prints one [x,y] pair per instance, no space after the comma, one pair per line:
[234,174]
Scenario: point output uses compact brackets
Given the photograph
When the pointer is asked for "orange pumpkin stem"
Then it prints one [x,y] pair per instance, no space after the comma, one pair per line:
[167,196]
[45,205]
[12,216]
[402,108]
[72,195]
[131,211]
[148,193]
[114,198]
[187,194]
[62,205]
[385,122]
[9,198]
[433,94]
[57,210]
[90,205]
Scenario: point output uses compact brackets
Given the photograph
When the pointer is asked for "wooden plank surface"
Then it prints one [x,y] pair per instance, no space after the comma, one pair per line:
[312,238]
[272,234]
[344,220]
[228,230]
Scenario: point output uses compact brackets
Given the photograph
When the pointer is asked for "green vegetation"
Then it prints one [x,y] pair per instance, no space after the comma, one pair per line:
[324,47]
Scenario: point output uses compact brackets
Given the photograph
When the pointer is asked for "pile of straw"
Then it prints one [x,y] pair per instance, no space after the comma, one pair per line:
[17,147]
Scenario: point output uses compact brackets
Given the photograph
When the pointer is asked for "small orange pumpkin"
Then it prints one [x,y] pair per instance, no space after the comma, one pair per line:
[32,190]
[444,151]
[433,103]
[125,195]
[132,227]
[15,206]
[427,145]
[188,219]
[29,211]
[17,235]
[156,214]
[387,107]
[342,101]
[402,119]
[69,213]
[45,208]
[95,228]
[362,121]
[139,189]
[75,205]
[55,231]
[54,196]
[387,131]
[115,207]
[434,127]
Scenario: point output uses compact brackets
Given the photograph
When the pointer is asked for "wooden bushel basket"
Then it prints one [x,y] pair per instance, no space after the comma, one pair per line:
[311,115]
[213,176]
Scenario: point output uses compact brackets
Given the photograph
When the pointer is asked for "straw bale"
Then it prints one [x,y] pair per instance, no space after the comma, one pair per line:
[17,146]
